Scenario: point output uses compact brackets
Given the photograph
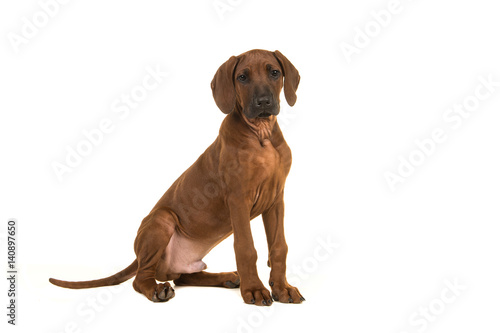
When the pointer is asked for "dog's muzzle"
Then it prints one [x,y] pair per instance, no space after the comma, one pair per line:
[263,107]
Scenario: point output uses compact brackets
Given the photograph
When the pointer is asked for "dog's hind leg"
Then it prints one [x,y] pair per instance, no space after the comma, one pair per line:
[152,239]
[206,279]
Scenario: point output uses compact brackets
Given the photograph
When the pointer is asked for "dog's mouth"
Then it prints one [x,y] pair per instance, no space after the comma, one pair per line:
[264,114]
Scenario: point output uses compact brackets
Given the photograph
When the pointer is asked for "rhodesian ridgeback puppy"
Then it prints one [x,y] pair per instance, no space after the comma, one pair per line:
[239,177]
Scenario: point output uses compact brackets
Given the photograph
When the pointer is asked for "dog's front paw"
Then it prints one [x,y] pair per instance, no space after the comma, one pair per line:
[286,293]
[256,294]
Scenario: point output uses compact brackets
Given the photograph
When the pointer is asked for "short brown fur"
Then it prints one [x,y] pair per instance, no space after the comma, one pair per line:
[239,177]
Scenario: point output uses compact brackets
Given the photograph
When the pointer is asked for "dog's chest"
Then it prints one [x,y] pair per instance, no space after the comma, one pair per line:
[271,166]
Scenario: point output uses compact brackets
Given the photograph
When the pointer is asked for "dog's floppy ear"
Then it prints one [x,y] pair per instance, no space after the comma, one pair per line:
[223,86]
[291,75]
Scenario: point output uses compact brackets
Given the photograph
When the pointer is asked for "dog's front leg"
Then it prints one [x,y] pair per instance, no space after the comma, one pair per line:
[275,232]
[252,289]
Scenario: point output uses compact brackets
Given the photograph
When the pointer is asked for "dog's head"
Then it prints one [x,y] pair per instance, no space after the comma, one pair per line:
[253,81]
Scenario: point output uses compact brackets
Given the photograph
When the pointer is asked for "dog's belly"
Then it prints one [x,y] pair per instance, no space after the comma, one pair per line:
[184,256]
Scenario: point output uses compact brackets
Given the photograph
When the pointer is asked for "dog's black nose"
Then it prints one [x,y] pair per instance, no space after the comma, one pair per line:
[263,102]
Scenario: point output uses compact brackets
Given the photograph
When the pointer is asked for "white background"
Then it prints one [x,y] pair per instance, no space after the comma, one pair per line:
[351,122]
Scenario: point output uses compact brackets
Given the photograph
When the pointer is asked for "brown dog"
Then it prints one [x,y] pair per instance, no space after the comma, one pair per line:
[239,177]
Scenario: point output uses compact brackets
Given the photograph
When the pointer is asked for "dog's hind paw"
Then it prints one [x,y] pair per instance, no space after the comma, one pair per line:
[163,292]
[234,282]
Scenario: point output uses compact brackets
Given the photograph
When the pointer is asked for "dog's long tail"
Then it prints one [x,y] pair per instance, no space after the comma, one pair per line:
[112,280]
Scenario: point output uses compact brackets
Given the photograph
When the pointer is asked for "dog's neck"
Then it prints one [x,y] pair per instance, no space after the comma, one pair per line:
[261,127]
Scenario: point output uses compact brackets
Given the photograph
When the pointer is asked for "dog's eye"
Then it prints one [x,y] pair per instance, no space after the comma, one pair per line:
[275,73]
[242,78]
